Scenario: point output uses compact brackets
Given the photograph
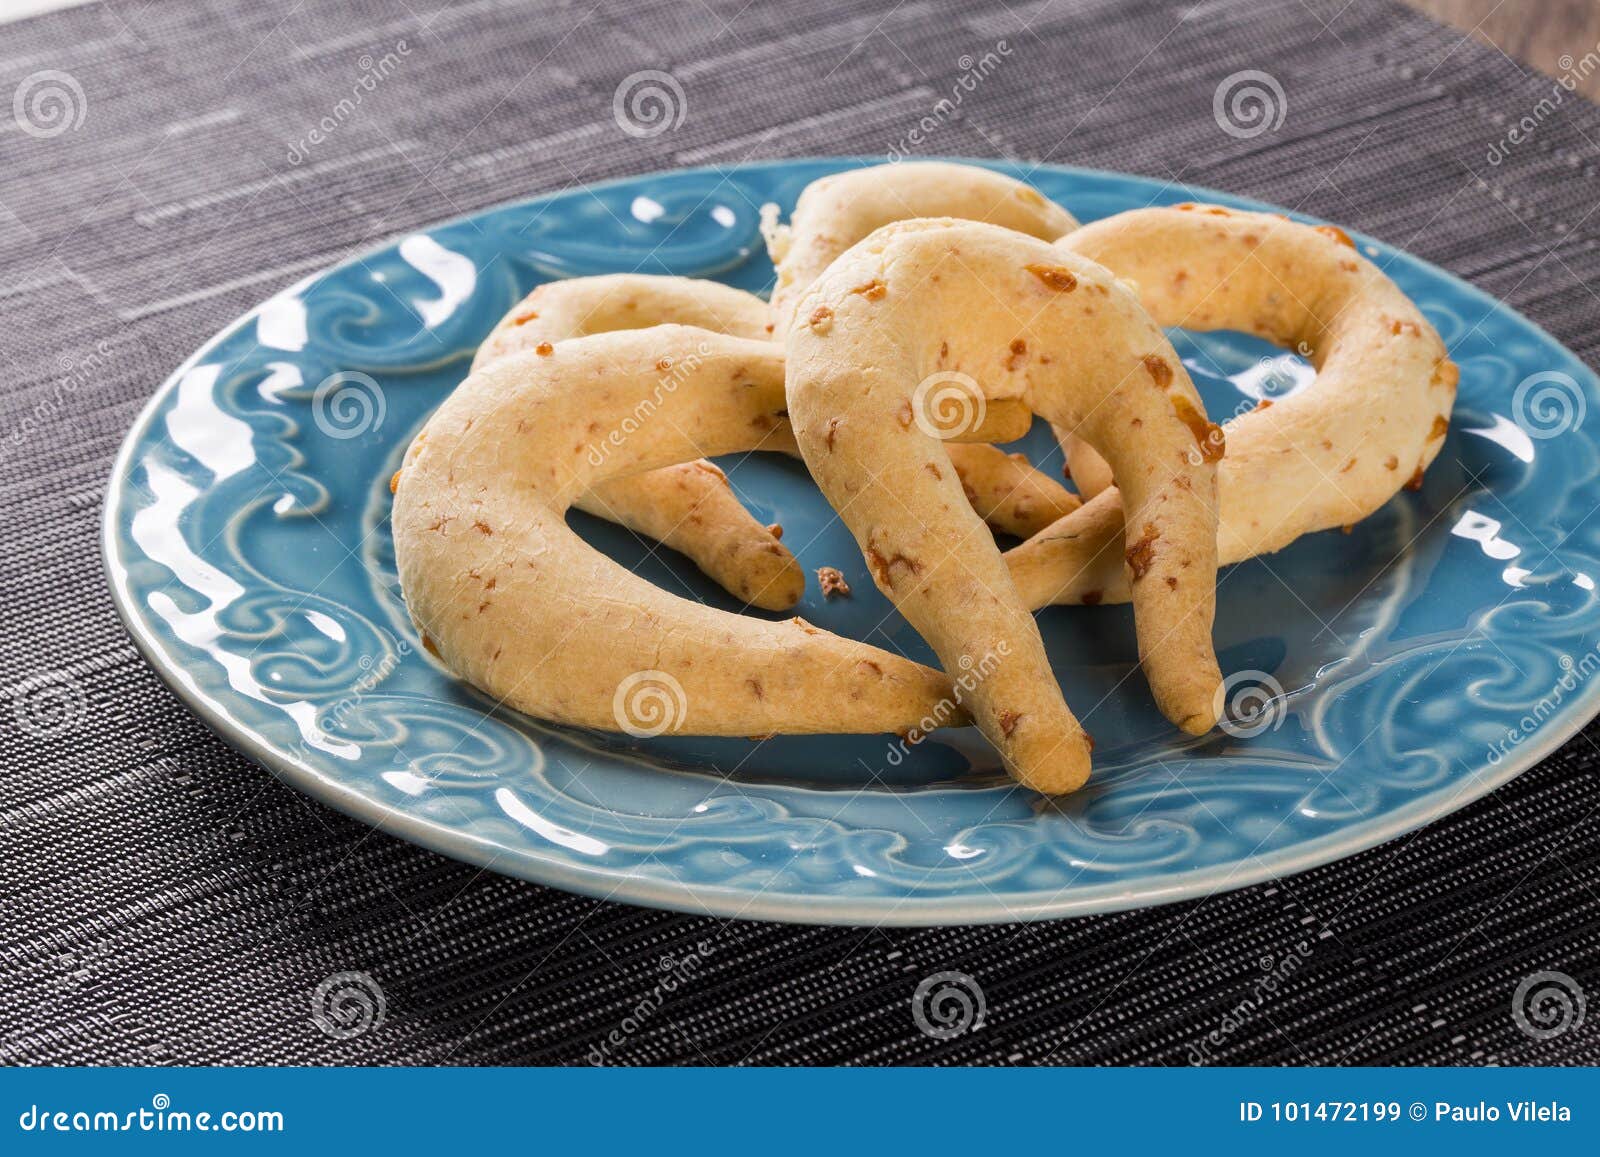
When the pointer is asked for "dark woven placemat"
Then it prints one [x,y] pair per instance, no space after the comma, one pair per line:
[166,901]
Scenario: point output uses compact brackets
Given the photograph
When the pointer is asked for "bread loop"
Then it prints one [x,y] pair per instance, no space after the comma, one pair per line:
[836,211]
[1056,332]
[1328,455]
[688,506]
[515,602]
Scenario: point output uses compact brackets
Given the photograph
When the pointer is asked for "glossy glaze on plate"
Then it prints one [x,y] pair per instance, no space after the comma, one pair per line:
[1442,646]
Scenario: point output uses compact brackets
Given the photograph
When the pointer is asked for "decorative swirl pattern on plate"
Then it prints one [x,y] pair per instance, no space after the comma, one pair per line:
[694,224]
[249,553]
[409,308]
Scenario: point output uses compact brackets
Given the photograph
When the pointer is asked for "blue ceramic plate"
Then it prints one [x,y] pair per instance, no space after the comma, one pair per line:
[1399,671]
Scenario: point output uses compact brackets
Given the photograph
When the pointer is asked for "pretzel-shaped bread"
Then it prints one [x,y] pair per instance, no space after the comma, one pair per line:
[687,506]
[1057,332]
[514,601]
[1328,455]
[611,302]
[836,211]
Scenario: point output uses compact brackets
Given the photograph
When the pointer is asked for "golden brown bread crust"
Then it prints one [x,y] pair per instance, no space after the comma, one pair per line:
[834,212]
[967,302]
[511,599]
[1329,455]
[687,506]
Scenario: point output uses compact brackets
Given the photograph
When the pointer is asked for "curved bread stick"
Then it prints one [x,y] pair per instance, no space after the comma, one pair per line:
[836,211]
[1007,491]
[1369,423]
[687,506]
[507,595]
[952,301]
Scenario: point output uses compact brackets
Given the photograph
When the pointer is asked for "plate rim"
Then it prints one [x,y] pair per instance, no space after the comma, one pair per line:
[721,900]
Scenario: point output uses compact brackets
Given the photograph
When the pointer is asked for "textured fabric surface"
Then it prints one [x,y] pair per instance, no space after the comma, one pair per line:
[166,901]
